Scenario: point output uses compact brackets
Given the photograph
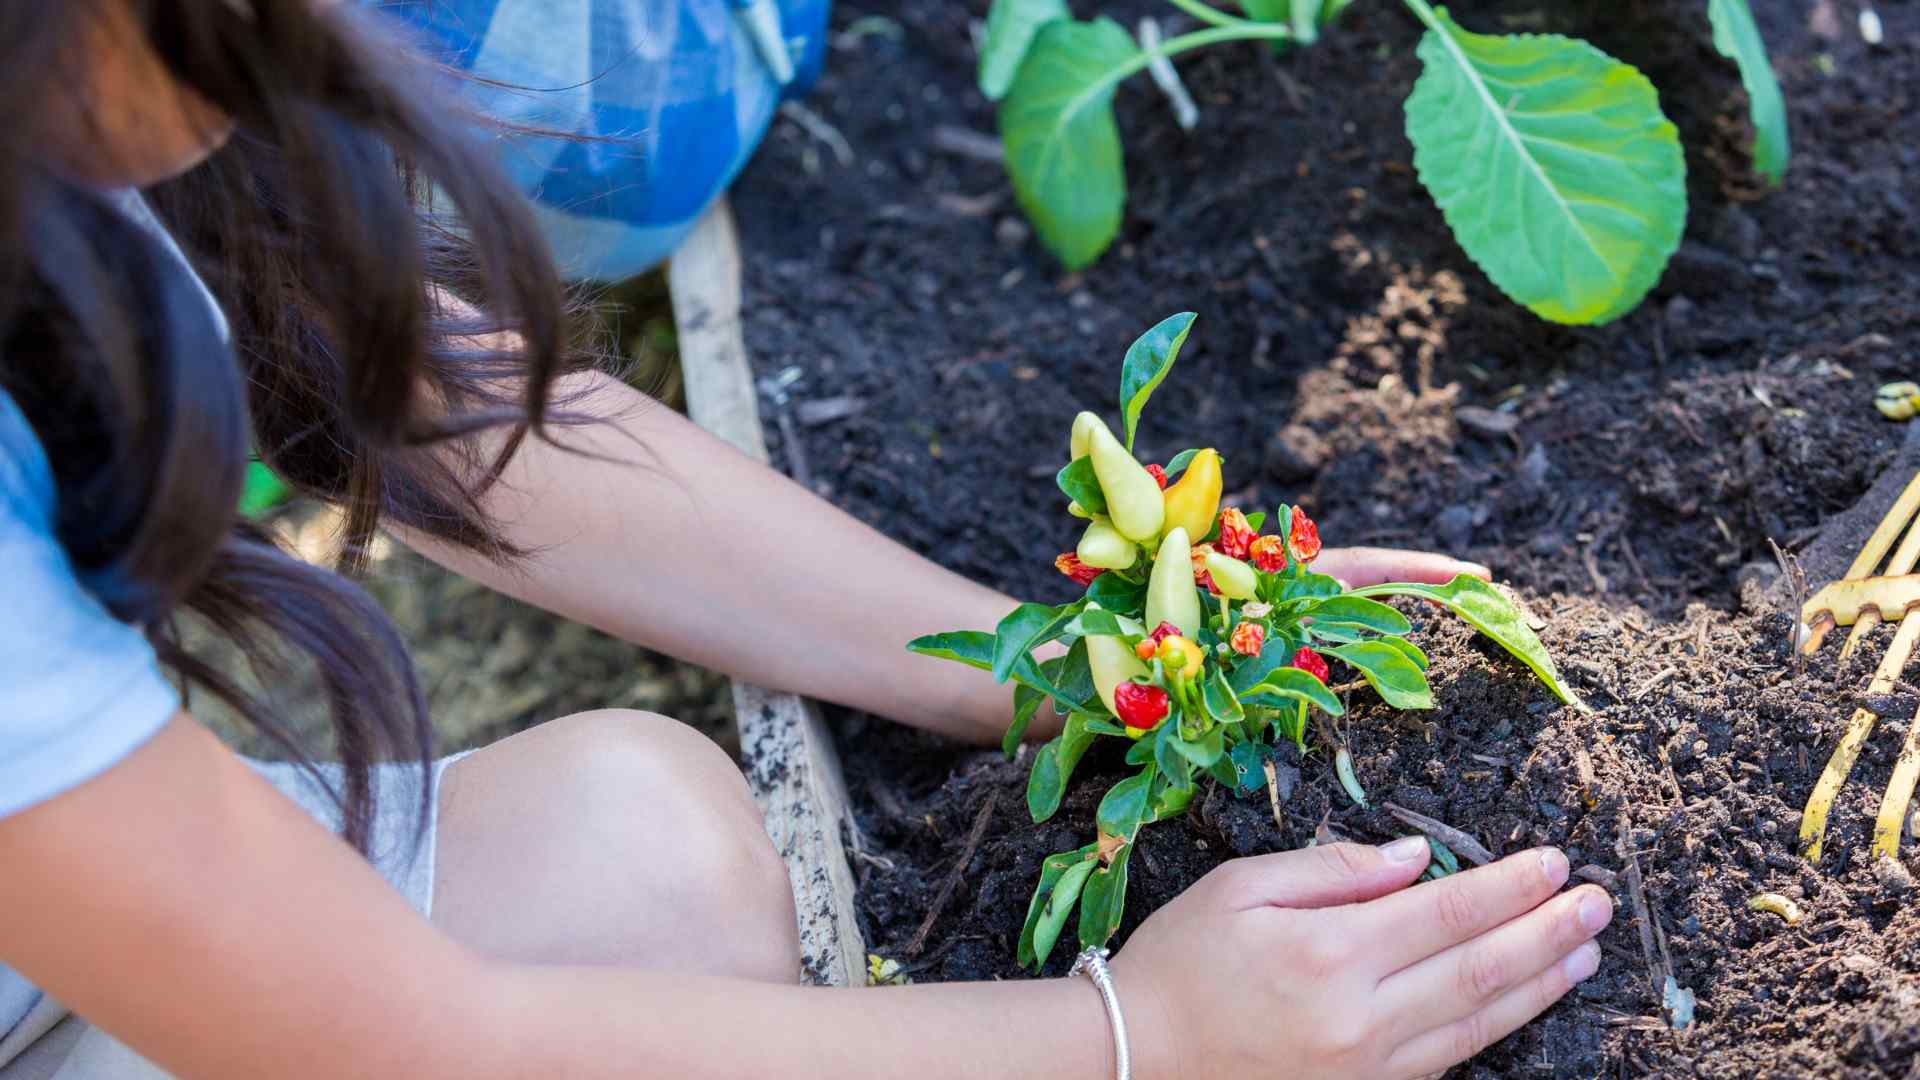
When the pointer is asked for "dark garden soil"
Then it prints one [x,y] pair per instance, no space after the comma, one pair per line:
[1348,357]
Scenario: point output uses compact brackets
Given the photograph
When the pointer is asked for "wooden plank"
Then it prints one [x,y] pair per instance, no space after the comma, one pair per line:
[785,746]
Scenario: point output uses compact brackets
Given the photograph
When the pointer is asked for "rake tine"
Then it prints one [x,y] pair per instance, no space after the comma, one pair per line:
[1813,822]
[1893,806]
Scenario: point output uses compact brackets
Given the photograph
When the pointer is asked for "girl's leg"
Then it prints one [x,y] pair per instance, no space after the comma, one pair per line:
[612,837]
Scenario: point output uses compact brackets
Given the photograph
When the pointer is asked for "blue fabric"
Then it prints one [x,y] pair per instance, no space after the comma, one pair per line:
[670,96]
[79,690]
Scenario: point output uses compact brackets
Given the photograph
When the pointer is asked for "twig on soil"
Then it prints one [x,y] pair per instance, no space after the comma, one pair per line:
[821,129]
[1463,844]
[1633,560]
[1654,683]
[1273,793]
[1593,568]
[959,871]
[966,143]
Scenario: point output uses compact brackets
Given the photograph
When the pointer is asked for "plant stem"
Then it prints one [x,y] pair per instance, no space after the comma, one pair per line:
[1206,13]
[1240,31]
[1425,13]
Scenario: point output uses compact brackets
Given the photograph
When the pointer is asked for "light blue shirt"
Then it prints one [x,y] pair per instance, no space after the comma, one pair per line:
[79,689]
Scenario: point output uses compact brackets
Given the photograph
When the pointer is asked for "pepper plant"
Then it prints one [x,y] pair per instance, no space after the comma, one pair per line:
[1551,161]
[1200,640]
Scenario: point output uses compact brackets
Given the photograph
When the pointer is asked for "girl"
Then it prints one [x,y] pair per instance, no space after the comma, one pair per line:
[592,897]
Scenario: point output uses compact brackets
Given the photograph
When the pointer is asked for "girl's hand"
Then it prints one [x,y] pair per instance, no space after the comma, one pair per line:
[1321,963]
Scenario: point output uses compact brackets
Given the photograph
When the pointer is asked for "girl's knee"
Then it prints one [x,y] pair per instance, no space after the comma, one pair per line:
[654,823]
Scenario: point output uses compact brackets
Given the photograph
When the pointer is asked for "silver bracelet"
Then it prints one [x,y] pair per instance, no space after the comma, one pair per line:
[1093,964]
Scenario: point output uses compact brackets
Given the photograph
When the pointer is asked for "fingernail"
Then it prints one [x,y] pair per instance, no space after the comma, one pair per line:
[1595,911]
[1480,571]
[1553,866]
[1408,849]
[1582,962]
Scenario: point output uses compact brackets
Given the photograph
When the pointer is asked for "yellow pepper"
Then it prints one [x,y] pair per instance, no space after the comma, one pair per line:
[1103,546]
[1178,656]
[1194,499]
[1171,594]
[1133,496]
[1235,579]
[1112,662]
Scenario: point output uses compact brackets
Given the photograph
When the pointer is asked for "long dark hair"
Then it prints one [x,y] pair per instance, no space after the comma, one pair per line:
[348,371]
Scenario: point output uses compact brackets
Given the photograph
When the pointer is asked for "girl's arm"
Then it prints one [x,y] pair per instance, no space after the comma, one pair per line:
[183,906]
[673,539]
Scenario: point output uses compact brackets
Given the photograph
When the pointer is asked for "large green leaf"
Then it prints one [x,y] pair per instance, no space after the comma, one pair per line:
[1104,901]
[1148,360]
[1024,629]
[1053,766]
[1291,682]
[1399,680]
[973,648]
[1359,611]
[1118,594]
[1011,26]
[1053,917]
[262,491]
[1026,702]
[1052,869]
[1481,605]
[1553,164]
[1738,39]
[1063,150]
[1124,806]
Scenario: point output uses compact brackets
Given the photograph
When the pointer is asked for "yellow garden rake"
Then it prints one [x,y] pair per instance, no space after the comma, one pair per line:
[1863,602]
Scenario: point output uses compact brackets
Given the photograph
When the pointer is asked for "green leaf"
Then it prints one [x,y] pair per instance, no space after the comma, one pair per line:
[1118,595]
[1275,654]
[1124,806]
[1026,702]
[1148,360]
[1080,484]
[1738,39]
[1291,682]
[1411,650]
[1052,869]
[1053,766]
[1359,611]
[1102,623]
[1104,901]
[1142,751]
[973,648]
[1172,802]
[1204,752]
[1168,755]
[1011,26]
[1102,727]
[1063,149]
[1180,462]
[1308,587]
[262,490]
[1024,629]
[1337,633]
[1398,680]
[1249,766]
[1256,519]
[1053,918]
[1278,11]
[1072,676]
[1223,705]
[1483,607]
[1553,165]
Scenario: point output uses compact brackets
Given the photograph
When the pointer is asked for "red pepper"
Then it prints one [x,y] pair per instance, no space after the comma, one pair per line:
[1159,476]
[1200,575]
[1303,537]
[1312,663]
[1249,638]
[1069,564]
[1269,554]
[1140,707]
[1236,534]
